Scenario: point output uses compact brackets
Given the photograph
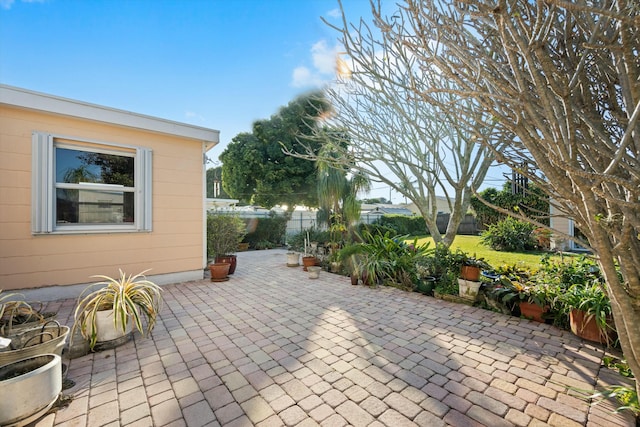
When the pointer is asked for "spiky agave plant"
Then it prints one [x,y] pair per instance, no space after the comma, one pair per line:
[130,297]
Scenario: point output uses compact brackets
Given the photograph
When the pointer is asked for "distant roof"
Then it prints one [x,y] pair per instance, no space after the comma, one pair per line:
[385,209]
[22,98]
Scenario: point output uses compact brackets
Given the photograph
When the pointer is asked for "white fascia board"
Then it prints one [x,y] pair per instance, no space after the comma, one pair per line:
[27,99]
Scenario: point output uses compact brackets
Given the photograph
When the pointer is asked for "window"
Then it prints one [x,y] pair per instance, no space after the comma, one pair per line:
[89,186]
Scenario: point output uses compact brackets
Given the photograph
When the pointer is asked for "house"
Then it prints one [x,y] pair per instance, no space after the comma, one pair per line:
[563,225]
[384,209]
[87,190]
[442,205]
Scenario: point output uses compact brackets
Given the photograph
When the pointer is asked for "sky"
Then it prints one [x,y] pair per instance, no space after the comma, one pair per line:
[220,64]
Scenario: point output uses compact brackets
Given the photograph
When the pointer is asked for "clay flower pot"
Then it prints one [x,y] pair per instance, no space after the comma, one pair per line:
[308,261]
[232,260]
[219,271]
[585,327]
[532,311]
[470,272]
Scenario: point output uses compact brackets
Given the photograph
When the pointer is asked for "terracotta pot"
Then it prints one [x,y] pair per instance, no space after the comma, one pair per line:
[243,247]
[219,271]
[354,279]
[532,311]
[586,327]
[232,260]
[308,261]
[470,272]
[366,280]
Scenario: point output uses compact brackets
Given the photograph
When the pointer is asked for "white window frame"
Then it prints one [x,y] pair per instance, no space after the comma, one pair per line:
[43,209]
[573,246]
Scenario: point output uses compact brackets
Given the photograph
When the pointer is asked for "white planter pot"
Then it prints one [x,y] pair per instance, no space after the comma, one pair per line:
[107,334]
[34,342]
[293,259]
[468,289]
[26,397]
[106,330]
[314,272]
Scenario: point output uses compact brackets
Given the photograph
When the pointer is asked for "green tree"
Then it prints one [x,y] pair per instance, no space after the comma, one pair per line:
[338,189]
[241,166]
[255,166]
[492,206]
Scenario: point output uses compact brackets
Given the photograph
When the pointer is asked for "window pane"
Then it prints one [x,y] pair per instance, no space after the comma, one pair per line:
[75,166]
[94,207]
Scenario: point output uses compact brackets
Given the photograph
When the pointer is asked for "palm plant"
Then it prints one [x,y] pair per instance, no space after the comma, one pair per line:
[130,298]
[337,192]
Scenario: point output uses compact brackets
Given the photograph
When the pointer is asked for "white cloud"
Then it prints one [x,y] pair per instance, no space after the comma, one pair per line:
[323,70]
[303,77]
[6,4]
[324,58]
[190,115]
[334,13]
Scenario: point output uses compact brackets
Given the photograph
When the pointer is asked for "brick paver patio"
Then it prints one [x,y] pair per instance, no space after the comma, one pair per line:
[271,347]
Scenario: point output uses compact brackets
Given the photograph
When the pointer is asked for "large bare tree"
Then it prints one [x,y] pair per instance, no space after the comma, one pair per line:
[393,136]
[564,79]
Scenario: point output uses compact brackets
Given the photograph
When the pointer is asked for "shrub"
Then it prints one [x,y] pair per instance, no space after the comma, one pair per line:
[270,230]
[402,224]
[384,258]
[510,235]
[224,232]
[296,241]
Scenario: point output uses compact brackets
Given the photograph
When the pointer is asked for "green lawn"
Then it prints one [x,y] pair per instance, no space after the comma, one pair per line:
[471,245]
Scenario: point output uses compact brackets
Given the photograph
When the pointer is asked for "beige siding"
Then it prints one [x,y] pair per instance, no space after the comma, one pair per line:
[175,244]
[560,224]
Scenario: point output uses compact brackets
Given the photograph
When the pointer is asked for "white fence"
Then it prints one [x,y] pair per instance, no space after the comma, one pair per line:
[303,220]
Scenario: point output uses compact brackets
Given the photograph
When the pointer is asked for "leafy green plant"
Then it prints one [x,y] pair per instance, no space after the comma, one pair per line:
[296,241]
[130,297]
[581,270]
[593,300]
[403,224]
[510,235]
[264,244]
[268,229]
[447,284]
[224,232]
[381,257]
[627,396]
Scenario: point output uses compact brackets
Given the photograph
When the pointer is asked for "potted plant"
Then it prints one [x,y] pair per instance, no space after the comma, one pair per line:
[29,388]
[530,300]
[360,263]
[314,271]
[219,271]
[447,287]
[17,315]
[471,267]
[115,306]
[224,233]
[293,259]
[48,339]
[589,311]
